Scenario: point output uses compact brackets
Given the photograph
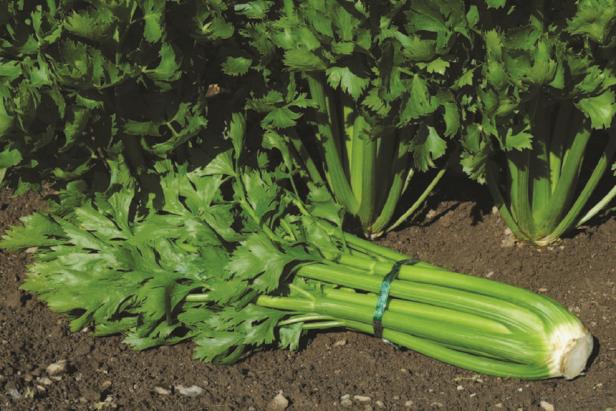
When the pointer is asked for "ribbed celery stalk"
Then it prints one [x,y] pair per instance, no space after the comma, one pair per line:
[467,321]
[366,167]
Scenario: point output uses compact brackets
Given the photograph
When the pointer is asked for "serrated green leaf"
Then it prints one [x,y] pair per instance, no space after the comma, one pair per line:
[348,81]
[427,147]
[303,59]
[281,118]
[519,141]
[10,158]
[168,68]
[599,109]
[594,18]
[153,15]
[236,66]
[420,102]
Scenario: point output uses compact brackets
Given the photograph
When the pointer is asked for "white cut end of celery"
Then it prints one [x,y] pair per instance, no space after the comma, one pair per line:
[571,345]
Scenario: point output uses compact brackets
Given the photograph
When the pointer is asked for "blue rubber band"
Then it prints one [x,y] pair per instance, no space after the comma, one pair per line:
[383,299]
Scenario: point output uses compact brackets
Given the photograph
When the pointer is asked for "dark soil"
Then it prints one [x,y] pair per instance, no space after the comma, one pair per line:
[103,373]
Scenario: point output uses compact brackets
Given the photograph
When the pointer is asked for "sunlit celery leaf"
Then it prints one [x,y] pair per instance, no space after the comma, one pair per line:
[599,109]
[303,59]
[224,336]
[274,140]
[76,123]
[256,9]
[153,11]
[261,191]
[348,81]
[426,147]
[94,24]
[258,260]
[475,154]
[289,336]
[9,158]
[419,103]
[282,117]
[415,48]
[519,141]
[443,18]
[451,114]
[236,66]
[594,18]
[495,4]
[168,69]
[37,230]
[375,103]
[595,79]
[321,205]
[201,190]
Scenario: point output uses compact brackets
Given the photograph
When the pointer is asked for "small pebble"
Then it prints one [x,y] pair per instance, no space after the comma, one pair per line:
[546,406]
[13,393]
[380,404]
[279,403]
[192,391]
[346,402]
[508,242]
[362,398]
[459,388]
[45,381]
[340,343]
[345,397]
[56,368]
[161,391]
[499,405]
[490,274]
[408,404]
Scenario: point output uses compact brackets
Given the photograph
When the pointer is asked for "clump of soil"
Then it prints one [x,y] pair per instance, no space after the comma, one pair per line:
[44,366]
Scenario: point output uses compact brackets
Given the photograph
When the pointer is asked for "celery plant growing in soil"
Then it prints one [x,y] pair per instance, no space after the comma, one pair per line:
[373,80]
[542,130]
[234,259]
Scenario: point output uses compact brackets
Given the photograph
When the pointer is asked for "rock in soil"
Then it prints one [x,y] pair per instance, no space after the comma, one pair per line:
[192,391]
[56,368]
[546,406]
[161,391]
[279,403]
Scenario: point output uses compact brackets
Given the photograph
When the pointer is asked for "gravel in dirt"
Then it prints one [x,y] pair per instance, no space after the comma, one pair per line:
[324,374]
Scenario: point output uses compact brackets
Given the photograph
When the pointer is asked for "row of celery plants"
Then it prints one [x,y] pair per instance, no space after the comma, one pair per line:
[374,100]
